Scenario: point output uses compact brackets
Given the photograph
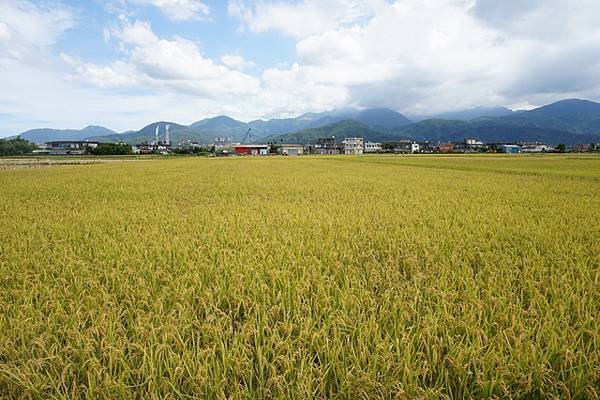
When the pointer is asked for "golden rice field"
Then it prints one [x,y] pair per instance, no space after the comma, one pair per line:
[296,278]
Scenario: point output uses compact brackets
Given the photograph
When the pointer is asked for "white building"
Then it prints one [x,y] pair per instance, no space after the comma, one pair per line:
[536,148]
[292,149]
[70,147]
[354,146]
[223,142]
[407,146]
[372,147]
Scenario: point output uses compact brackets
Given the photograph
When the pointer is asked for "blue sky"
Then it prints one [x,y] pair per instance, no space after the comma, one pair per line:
[217,34]
[126,63]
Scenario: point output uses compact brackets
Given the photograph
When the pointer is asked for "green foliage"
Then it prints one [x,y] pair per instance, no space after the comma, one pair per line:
[333,277]
[16,147]
[274,148]
[192,150]
[111,149]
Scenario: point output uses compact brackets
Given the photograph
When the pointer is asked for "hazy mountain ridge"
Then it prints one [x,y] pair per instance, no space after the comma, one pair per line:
[568,121]
[206,130]
[468,114]
[340,130]
[43,135]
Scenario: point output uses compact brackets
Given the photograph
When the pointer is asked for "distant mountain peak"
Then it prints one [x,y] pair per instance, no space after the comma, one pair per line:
[569,106]
[569,116]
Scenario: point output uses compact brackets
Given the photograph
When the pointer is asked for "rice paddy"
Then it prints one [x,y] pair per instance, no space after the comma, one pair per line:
[311,277]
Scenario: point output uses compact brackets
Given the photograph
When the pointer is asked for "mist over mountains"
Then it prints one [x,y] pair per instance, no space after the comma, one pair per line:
[568,121]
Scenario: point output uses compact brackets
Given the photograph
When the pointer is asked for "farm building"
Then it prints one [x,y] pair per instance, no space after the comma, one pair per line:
[372,147]
[445,148]
[69,147]
[469,146]
[152,148]
[354,146]
[535,148]
[251,150]
[223,142]
[407,146]
[292,149]
[510,149]
[326,146]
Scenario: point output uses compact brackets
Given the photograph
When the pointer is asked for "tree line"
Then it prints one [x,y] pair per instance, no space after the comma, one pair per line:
[16,147]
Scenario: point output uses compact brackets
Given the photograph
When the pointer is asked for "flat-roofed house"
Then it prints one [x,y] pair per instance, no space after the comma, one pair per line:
[373,147]
[407,146]
[326,146]
[251,150]
[510,149]
[292,149]
[354,145]
[70,147]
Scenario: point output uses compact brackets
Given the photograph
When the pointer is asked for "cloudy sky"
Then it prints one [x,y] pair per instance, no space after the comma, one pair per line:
[125,63]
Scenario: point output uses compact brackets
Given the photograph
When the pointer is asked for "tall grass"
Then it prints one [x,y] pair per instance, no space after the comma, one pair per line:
[324,277]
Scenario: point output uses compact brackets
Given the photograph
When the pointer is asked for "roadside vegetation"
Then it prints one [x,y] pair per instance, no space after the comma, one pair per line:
[302,277]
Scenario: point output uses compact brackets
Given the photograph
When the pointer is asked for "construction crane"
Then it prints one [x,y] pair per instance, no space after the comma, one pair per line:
[246,136]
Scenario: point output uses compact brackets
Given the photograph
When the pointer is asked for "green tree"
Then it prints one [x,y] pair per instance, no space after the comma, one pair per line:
[16,147]
[273,148]
[111,149]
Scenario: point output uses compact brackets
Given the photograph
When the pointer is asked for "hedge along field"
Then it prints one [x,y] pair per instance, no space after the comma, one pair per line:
[309,277]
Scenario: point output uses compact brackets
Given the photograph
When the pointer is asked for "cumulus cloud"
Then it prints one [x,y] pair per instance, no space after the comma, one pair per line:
[115,75]
[432,55]
[175,64]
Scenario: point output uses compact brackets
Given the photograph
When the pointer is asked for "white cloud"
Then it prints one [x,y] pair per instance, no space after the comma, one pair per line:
[176,64]
[27,28]
[417,55]
[235,61]
[118,74]
[179,10]
[298,19]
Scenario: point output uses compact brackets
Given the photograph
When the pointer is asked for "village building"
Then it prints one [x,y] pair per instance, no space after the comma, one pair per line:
[251,150]
[510,149]
[291,149]
[445,148]
[326,146]
[354,145]
[468,146]
[373,147]
[70,147]
[188,145]
[535,147]
[426,147]
[152,148]
[223,142]
[407,147]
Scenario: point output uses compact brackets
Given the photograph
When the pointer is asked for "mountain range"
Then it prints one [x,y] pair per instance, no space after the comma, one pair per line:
[567,121]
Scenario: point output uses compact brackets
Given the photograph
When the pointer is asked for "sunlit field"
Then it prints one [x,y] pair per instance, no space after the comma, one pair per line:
[296,278]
